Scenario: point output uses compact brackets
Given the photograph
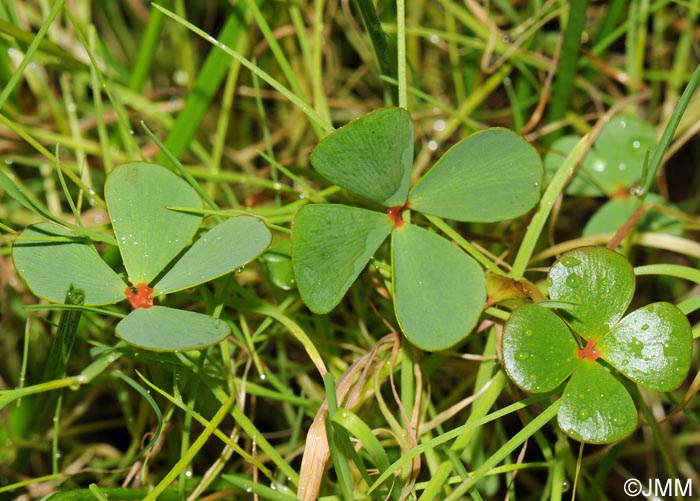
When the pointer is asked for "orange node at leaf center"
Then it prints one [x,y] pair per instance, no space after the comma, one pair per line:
[589,351]
[395,213]
[139,296]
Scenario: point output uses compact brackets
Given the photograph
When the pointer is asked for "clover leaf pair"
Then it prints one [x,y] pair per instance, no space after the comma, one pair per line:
[612,167]
[149,236]
[652,345]
[438,290]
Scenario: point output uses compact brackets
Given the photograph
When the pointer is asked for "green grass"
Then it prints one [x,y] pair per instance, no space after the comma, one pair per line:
[334,406]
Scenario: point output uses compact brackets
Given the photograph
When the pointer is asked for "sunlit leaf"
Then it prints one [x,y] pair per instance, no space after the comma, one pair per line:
[149,235]
[222,249]
[539,351]
[370,157]
[490,176]
[652,346]
[599,284]
[167,329]
[51,267]
[331,245]
[596,407]
[439,291]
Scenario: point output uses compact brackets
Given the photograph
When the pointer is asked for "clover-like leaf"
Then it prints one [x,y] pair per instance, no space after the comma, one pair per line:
[614,213]
[439,291]
[149,235]
[168,329]
[539,351]
[615,161]
[596,407]
[223,248]
[51,258]
[489,176]
[331,245]
[652,346]
[277,264]
[370,157]
[598,283]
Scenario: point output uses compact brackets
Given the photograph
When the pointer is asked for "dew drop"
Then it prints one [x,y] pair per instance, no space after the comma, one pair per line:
[263,377]
[645,327]
[573,280]
[188,473]
[598,166]
[522,356]
[583,414]
[432,145]
[623,124]
[565,486]
[625,363]
[550,282]
[570,261]
[636,145]
[528,332]
[622,166]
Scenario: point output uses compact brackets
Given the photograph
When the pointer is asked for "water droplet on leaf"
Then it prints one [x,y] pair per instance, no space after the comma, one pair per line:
[573,280]
[522,356]
[570,261]
[583,414]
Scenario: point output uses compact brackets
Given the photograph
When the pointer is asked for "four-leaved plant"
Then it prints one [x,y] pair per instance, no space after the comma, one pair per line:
[438,290]
[149,236]
[652,345]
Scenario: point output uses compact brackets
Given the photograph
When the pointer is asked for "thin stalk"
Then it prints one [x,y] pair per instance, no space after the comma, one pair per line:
[563,87]
[401,51]
[555,187]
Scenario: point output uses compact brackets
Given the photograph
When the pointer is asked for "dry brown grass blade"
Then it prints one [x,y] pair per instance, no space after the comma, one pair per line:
[349,390]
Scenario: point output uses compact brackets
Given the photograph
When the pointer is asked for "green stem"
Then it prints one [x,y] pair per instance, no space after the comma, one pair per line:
[534,230]
[665,141]
[401,51]
[563,87]
[196,446]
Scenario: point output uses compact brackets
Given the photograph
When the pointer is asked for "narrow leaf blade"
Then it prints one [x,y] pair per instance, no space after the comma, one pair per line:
[331,245]
[439,291]
[652,346]
[370,157]
[149,235]
[539,351]
[596,408]
[222,249]
[489,176]
[167,329]
[50,268]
